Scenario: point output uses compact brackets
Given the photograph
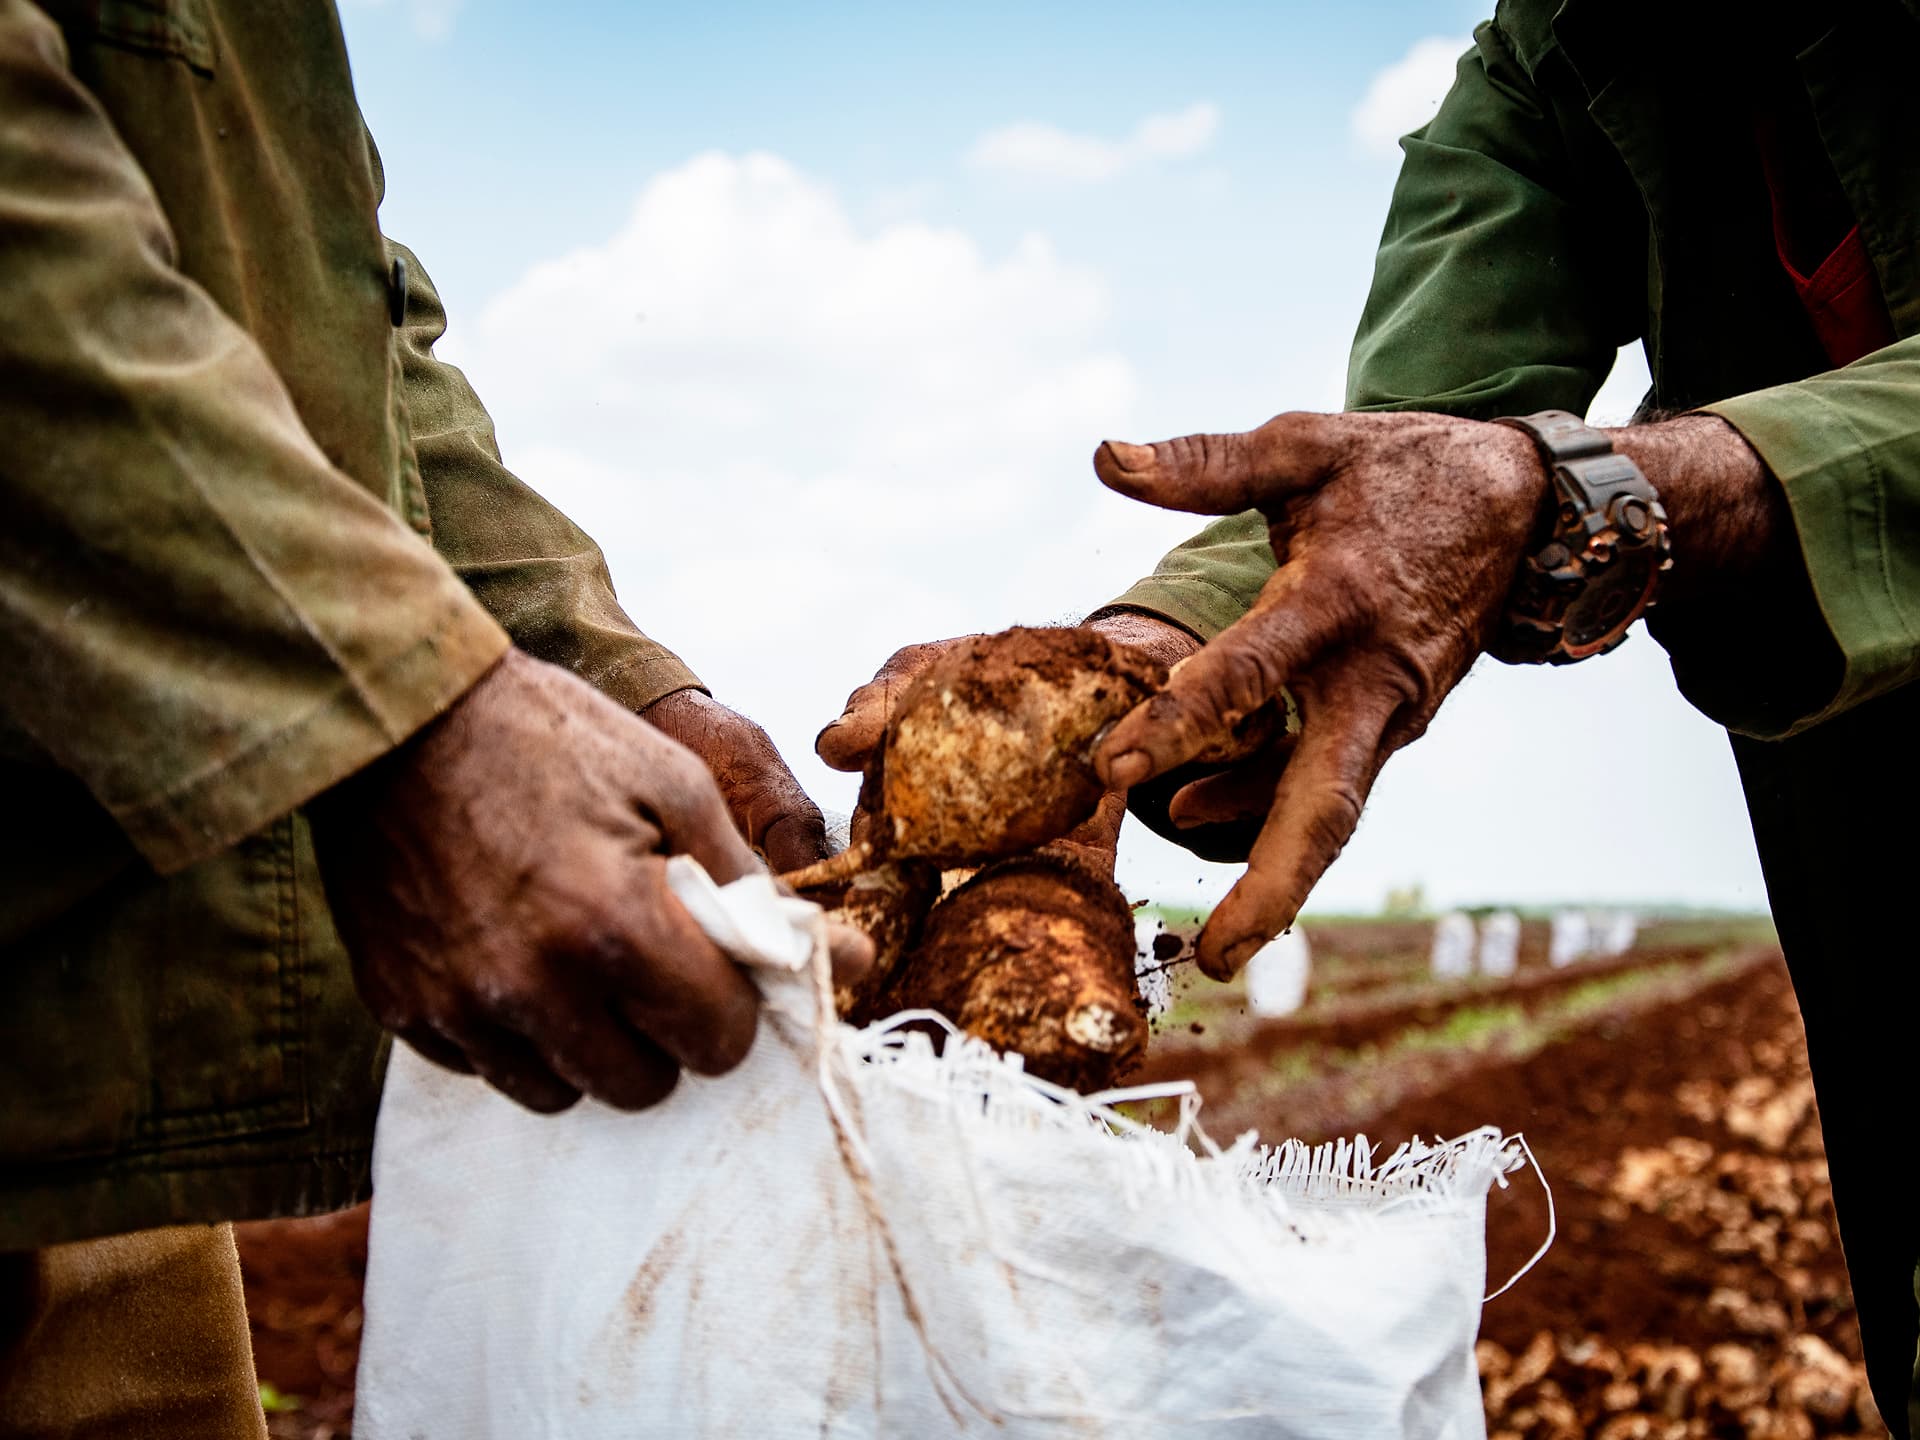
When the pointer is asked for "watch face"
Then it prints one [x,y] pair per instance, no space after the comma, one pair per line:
[1613,594]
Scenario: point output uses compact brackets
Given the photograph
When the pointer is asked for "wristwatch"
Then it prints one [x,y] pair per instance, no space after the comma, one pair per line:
[1604,549]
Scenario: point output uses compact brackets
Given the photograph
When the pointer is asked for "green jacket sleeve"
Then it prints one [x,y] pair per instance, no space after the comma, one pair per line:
[1845,446]
[1490,297]
[200,616]
[537,572]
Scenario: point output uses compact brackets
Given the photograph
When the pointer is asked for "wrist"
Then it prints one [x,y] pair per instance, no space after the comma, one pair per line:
[687,701]
[1153,635]
[1598,551]
[1726,514]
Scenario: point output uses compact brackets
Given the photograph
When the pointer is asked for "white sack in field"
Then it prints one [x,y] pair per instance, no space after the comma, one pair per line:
[1614,932]
[1277,974]
[1500,944]
[1022,1262]
[1572,937]
[1452,954]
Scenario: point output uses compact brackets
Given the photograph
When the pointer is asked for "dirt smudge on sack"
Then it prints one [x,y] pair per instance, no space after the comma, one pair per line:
[636,1303]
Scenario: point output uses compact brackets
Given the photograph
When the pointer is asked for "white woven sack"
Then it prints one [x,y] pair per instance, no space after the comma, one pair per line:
[850,1235]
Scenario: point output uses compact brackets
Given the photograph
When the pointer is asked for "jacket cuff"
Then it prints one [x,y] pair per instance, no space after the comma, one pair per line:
[1837,492]
[649,672]
[367,715]
[1210,581]
[1192,602]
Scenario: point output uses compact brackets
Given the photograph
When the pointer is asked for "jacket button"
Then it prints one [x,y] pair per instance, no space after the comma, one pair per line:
[397,293]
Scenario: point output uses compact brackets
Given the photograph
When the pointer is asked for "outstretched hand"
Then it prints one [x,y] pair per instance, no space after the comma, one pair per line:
[1398,538]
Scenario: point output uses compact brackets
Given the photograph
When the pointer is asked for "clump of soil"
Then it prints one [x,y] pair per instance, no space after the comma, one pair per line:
[1035,955]
[990,750]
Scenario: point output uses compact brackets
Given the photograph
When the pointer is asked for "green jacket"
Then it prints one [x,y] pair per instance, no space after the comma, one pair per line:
[254,536]
[1593,178]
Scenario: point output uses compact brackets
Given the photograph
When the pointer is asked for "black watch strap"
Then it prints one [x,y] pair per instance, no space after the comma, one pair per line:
[1606,545]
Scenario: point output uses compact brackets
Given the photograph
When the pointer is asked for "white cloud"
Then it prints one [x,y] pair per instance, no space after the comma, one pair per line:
[804,441]
[1045,152]
[432,19]
[1405,95]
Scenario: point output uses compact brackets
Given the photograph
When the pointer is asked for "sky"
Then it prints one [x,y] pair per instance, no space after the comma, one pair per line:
[814,314]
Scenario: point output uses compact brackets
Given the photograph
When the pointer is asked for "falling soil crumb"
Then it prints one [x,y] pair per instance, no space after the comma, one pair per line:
[1196,1028]
[1166,946]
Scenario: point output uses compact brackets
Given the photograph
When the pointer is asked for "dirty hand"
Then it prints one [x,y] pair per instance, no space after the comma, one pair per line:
[500,882]
[768,805]
[1398,538]
[850,742]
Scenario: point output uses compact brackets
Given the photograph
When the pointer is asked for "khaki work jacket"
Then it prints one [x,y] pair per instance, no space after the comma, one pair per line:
[252,536]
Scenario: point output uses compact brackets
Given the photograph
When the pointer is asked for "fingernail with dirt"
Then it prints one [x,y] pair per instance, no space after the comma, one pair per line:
[1128,457]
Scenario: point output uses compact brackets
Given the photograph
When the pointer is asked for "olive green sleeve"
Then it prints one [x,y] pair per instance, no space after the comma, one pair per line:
[1845,446]
[200,616]
[1490,297]
[537,572]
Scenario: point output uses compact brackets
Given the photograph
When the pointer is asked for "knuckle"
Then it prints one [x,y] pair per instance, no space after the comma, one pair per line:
[1346,576]
[1408,726]
[910,660]
[1168,722]
[864,698]
[1332,821]
[795,817]
[541,1097]
[510,1000]
[716,1048]
[598,941]
[646,1092]
[1248,676]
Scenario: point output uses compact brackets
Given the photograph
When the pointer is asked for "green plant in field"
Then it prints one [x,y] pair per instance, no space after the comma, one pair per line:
[1472,1027]
[274,1402]
[1292,1066]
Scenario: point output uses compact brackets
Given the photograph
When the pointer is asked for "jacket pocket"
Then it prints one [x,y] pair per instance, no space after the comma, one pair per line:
[158,1012]
[175,28]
